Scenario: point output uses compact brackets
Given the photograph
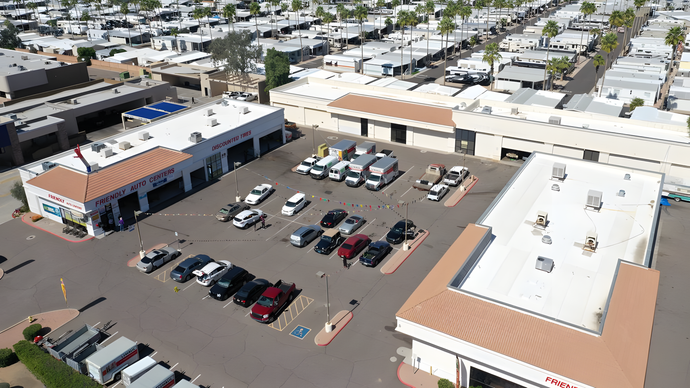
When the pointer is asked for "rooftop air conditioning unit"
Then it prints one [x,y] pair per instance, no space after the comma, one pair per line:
[94,167]
[626,177]
[25,57]
[115,91]
[208,112]
[48,165]
[73,101]
[590,241]
[97,147]
[13,116]
[555,120]
[143,135]
[558,171]
[125,145]
[106,152]
[486,109]
[594,199]
[514,111]
[542,219]
[195,137]
[544,264]
[585,126]
[211,122]
[243,110]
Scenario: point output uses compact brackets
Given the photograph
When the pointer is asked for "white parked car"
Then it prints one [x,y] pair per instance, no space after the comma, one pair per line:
[296,203]
[246,96]
[306,166]
[156,258]
[456,175]
[259,193]
[247,218]
[437,192]
[213,271]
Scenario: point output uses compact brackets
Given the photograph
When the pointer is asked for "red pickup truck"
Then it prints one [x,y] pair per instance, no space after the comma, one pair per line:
[272,301]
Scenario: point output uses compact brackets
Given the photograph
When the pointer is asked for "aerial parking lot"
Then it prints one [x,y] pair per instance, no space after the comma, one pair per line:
[217,342]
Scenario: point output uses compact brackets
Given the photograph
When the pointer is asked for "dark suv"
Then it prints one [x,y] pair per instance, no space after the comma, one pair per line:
[183,272]
[228,285]
[330,240]
[397,233]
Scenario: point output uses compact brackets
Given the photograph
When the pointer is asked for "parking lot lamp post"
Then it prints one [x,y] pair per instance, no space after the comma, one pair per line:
[237,187]
[141,243]
[407,208]
[329,326]
[313,137]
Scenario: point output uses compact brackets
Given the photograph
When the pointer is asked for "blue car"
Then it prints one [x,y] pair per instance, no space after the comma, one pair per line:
[376,252]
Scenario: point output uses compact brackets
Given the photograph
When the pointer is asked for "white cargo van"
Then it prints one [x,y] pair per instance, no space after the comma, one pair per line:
[339,171]
[158,377]
[137,370]
[322,167]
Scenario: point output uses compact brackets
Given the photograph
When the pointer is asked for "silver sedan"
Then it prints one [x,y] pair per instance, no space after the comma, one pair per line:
[352,224]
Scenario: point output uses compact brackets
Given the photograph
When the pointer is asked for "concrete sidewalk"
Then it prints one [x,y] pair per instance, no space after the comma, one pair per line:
[52,227]
[51,321]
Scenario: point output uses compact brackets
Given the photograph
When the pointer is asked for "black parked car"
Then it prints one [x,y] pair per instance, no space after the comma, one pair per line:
[228,285]
[330,240]
[397,233]
[333,218]
[250,292]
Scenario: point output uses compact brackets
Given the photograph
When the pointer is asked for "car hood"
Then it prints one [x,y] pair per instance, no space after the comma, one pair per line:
[322,244]
[251,197]
[288,209]
[261,310]
[394,234]
[216,289]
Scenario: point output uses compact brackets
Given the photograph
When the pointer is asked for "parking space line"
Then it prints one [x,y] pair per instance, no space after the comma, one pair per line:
[188,286]
[406,191]
[204,297]
[195,379]
[368,223]
[334,253]
[266,203]
[154,353]
[109,337]
[294,310]
[116,384]
[173,367]
[227,304]
[312,208]
[96,324]
[398,178]
[162,276]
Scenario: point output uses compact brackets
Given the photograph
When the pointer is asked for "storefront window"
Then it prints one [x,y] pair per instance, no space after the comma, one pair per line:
[480,378]
[214,166]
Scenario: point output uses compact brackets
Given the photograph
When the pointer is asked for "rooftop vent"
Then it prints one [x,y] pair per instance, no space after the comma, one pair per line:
[542,219]
[594,199]
[555,120]
[486,109]
[621,193]
[195,137]
[585,126]
[626,177]
[115,91]
[94,167]
[106,152]
[558,171]
[143,135]
[243,110]
[73,101]
[546,239]
[208,112]
[125,145]
[555,187]
[590,241]
[25,57]
[211,122]
[48,165]
[13,116]
[97,147]
[544,264]
[514,111]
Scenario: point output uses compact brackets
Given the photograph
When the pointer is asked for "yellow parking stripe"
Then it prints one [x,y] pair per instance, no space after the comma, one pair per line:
[293,311]
[165,275]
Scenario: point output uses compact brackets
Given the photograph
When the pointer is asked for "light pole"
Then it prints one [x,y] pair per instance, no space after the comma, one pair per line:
[141,243]
[313,137]
[329,326]
[407,208]
[237,187]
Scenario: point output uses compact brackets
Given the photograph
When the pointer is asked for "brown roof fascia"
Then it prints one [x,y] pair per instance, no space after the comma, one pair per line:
[54,180]
[393,108]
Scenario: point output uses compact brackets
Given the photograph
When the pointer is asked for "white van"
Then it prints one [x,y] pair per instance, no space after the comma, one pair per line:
[339,171]
[323,166]
[137,370]
[294,204]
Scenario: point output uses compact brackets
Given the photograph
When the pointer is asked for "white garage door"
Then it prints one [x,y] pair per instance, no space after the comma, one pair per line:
[351,125]
[431,139]
[525,145]
[318,117]
[642,164]
[292,113]
[568,151]
[678,171]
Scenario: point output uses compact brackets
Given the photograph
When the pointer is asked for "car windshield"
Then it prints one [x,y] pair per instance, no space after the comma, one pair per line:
[256,192]
[225,283]
[224,211]
[238,219]
[374,178]
[265,301]
[179,269]
[307,164]
[327,238]
[146,260]
[350,221]
[318,167]
[347,246]
[353,174]
[432,192]
[399,227]
[290,204]
[242,293]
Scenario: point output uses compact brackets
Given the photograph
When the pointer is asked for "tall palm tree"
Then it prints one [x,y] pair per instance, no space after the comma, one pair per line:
[500,4]
[402,19]
[465,12]
[674,36]
[360,14]
[412,21]
[229,12]
[395,4]
[628,21]
[616,19]
[68,4]
[174,32]
[320,13]
[199,14]
[31,6]
[255,10]
[550,30]
[487,4]
[208,13]
[478,6]
[85,17]
[388,22]
[380,4]
[274,4]
[597,61]
[491,56]
[586,8]
[124,10]
[429,8]
[608,43]
[342,13]
[147,6]
[296,7]
[328,19]
[451,11]
[445,26]
[283,11]
[473,42]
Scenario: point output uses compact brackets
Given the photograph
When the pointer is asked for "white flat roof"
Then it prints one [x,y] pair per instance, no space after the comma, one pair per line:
[577,290]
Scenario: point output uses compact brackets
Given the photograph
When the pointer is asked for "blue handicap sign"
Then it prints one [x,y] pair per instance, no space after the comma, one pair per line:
[300,332]
[131,228]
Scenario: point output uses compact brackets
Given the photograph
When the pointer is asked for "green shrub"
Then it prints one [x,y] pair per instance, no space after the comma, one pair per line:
[7,357]
[52,372]
[445,383]
[31,331]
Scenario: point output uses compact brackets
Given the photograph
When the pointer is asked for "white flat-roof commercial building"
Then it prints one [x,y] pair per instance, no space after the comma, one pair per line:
[485,127]
[552,286]
[147,165]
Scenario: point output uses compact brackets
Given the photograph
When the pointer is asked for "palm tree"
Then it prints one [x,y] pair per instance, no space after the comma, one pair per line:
[319,13]
[255,10]
[445,26]
[597,61]
[500,4]
[586,8]
[608,43]
[628,21]
[451,11]
[174,32]
[380,4]
[229,12]
[199,14]
[342,13]
[208,13]
[412,21]
[674,36]
[616,19]
[429,7]
[639,3]
[491,55]
[395,4]
[275,4]
[328,19]
[124,10]
[360,14]
[487,4]
[478,6]
[296,7]
[85,17]
[402,19]
[283,10]
[550,30]
[147,6]
[388,22]
[465,12]
[473,42]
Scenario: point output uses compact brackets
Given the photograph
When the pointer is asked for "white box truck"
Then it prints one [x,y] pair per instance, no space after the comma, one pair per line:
[382,173]
[368,147]
[343,150]
[359,170]
[106,364]
[158,377]
[132,373]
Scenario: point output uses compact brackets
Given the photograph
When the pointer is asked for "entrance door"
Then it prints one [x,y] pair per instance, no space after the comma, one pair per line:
[399,133]
[365,127]
[464,141]
[214,166]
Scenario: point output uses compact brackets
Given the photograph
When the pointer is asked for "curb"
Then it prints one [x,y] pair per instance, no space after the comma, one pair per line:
[409,252]
[32,224]
[397,372]
[347,318]
[52,311]
[134,260]
[448,202]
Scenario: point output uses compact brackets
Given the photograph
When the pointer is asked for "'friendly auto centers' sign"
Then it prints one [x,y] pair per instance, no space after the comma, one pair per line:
[149,182]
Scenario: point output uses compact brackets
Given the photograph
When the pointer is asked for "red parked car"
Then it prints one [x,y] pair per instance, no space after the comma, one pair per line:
[353,245]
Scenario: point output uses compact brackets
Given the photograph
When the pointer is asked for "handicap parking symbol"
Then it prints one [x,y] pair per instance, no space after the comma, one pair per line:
[300,332]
